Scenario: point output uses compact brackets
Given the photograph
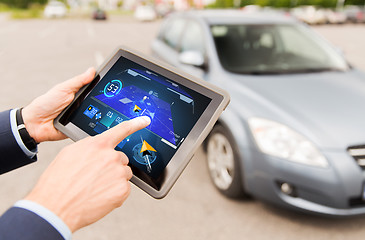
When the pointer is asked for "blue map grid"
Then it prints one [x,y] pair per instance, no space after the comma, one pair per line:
[158,110]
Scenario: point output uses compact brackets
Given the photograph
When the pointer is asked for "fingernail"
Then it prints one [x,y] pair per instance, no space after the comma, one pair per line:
[146,119]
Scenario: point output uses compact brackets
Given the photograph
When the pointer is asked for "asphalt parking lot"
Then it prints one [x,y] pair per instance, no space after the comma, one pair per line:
[37,54]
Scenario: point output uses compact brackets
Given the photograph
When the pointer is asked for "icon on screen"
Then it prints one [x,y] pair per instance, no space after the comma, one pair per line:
[136,109]
[108,119]
[144,154]
[98,116]
[91,111]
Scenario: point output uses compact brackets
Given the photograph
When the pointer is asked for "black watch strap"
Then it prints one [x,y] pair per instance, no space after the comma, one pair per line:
[28,141]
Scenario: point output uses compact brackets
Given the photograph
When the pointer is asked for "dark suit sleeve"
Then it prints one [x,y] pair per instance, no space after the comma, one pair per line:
[11,155]
[21,224]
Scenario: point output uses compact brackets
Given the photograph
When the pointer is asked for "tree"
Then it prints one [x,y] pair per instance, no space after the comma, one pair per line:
[22,3]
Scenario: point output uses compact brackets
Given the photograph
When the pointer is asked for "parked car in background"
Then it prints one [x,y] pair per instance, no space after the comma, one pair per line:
[55,9]
[99,14]
[145,13]
[293,134]
[335,17]
[355,14]
[310,15]
[163,9]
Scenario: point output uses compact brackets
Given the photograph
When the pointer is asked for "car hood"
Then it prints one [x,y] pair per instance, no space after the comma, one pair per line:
[328,108]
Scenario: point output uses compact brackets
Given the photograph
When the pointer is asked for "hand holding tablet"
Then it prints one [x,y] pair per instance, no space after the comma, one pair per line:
[181,108]
[89,178]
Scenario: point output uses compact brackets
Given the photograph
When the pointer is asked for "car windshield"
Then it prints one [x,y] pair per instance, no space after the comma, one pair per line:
[274,49]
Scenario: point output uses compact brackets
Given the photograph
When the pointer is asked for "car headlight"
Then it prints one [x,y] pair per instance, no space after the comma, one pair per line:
[279,140]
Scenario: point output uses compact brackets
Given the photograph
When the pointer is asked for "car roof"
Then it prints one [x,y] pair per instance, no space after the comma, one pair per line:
[214,17]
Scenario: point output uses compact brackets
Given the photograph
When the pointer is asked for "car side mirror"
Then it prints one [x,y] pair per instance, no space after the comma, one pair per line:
[193,58]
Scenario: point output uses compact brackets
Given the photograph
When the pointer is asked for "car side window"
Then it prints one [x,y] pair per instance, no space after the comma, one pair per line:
[193,38]
[307,50]
[172,32]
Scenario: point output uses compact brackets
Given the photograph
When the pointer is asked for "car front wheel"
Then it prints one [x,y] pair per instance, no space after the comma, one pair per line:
[223,163]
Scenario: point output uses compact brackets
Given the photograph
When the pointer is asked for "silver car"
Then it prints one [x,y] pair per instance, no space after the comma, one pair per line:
[55,9]
[294,133]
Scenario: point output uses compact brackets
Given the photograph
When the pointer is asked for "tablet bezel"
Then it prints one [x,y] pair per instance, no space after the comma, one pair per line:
[219,101]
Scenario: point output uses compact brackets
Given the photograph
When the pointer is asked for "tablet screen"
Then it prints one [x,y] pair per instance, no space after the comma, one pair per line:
[129,90]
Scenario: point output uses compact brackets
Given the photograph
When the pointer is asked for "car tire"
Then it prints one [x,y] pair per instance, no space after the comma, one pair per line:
[223,163]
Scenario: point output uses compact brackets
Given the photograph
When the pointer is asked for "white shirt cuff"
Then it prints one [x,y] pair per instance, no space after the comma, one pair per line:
[14,129]
[47,215]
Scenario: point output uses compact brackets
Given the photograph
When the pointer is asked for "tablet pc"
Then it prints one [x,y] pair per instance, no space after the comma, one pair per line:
[182,109]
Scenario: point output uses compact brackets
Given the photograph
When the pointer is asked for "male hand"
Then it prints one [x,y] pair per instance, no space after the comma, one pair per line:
[88,179]
[38,116]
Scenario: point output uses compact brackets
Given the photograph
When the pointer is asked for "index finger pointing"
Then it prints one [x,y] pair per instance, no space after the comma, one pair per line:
[116,134]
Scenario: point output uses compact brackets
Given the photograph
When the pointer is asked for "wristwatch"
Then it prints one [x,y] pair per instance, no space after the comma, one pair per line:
[28,141]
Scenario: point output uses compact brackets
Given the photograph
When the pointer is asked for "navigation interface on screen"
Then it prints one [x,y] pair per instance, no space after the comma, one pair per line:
[129,90]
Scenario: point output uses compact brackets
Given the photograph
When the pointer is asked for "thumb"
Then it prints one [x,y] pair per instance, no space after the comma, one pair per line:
[74,84]
[115,135]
